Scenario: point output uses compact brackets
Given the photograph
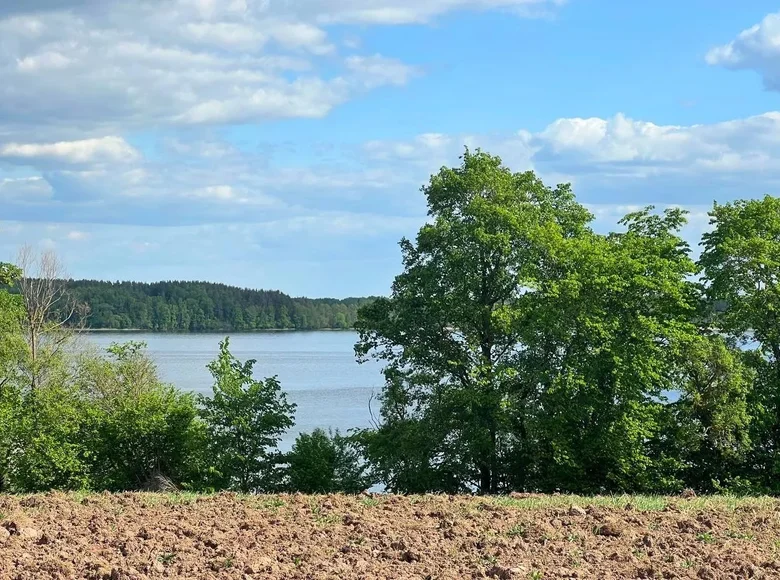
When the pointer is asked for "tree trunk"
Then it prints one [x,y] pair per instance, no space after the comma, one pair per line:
[484,479]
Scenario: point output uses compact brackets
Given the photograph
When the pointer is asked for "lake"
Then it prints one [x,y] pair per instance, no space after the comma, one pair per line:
[316,369]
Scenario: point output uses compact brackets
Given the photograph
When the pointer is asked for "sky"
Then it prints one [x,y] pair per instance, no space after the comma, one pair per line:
[282,144]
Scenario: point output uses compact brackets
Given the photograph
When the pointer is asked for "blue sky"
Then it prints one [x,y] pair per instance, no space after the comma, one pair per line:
[282,144]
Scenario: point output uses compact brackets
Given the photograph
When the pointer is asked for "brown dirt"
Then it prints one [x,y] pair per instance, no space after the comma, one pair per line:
[135,536]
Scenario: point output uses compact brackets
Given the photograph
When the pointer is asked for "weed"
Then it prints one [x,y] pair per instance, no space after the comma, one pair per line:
[370,502]
[706,537]
[687,563]
[166,558]
[272,503]
[535,575]
[517,531]
[736,535]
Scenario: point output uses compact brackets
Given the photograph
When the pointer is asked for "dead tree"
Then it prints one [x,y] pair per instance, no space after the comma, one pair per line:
[51,314]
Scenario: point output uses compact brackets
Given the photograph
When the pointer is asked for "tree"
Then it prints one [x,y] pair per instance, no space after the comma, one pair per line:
[245,419]
[741,272]
[49,310]
[450,331]
[603,352]
[323,462]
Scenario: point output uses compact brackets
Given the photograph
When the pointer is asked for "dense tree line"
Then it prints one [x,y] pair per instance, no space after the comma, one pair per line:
[203,306]
[522,350]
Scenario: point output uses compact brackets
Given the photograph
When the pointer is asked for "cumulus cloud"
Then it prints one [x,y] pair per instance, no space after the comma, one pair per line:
[73,68]
[616,147]
[756,48]
[104,149]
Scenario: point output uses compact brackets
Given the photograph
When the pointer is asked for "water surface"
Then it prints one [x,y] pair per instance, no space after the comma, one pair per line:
[317,370]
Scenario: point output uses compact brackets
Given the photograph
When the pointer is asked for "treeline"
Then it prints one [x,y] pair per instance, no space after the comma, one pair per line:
[73,417]
[203,306]
[522,351]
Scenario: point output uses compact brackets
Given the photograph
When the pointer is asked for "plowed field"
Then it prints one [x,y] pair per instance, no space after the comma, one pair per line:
[134,536]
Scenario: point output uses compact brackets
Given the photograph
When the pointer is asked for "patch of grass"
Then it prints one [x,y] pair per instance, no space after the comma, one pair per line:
[174,498]
[687,563]
[370,501]
[271,503]
[638,502]
[517,531]
[706,537]
[166,558]
[535,575]
[737,535]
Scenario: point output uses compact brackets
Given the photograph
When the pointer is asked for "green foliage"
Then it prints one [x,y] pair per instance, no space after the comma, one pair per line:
[137,426]
[741,267]
[600,355]
[524,351]
[325,463]
[48,450]
[245,419]
[12,355]
[449,332]
[202,306]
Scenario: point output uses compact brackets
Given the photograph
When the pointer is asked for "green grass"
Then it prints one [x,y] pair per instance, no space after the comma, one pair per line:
[517,531]
[706,537]
[536,502]
[638,502]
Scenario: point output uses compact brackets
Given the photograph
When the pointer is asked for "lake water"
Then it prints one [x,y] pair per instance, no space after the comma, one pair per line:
[317,370]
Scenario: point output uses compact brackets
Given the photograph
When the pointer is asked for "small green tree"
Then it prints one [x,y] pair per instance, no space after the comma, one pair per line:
[245,419]
[323,462]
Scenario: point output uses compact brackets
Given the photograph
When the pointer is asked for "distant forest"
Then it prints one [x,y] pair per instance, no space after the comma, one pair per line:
[204,306]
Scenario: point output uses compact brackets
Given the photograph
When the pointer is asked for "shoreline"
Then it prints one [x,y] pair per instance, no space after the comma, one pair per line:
[257,331]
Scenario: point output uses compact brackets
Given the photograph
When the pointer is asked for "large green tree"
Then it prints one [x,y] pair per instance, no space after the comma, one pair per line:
[741,270]
[602,353]
[449,333]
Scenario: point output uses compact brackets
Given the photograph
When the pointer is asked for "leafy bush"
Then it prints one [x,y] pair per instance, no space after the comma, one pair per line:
[137,426]
[323,462]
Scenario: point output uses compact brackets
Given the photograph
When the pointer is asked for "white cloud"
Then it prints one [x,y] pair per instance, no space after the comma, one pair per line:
[614,147]
[377,70]
[104,149]
[131,64]
[77,236]
[756,48]
[408,11]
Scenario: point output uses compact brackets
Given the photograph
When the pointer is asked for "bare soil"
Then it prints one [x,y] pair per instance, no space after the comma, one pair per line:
[138,536]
